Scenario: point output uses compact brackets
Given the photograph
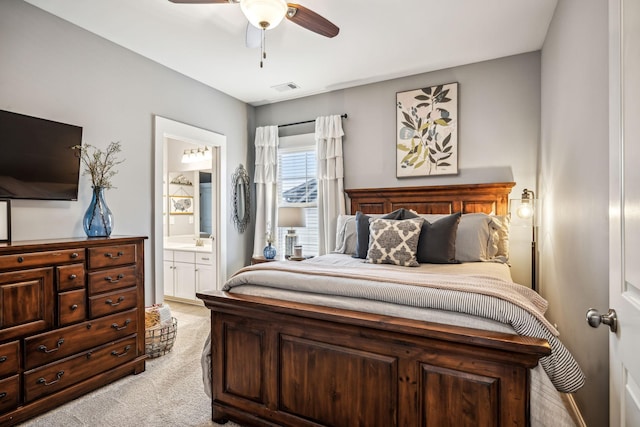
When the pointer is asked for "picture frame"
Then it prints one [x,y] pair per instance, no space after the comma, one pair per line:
[5,221]
[180,205]
[427,131]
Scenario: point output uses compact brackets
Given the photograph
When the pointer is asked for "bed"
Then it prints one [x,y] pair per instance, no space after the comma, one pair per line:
[301,355]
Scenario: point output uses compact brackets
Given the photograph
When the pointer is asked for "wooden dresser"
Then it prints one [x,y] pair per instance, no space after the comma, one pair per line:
[71,320]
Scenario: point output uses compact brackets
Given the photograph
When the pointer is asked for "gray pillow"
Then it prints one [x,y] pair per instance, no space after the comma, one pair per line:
[394,241]
[437,244]
[473,236]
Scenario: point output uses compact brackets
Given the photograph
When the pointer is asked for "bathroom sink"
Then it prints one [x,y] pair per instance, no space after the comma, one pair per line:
[188,247]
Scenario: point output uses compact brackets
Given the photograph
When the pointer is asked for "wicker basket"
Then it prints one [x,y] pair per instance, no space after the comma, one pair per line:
[159,339]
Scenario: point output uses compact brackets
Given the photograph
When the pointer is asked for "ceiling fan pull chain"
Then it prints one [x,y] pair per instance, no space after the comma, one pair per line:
[263,39]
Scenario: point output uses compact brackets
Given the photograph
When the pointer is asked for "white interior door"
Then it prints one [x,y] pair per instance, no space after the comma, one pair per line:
[624,212]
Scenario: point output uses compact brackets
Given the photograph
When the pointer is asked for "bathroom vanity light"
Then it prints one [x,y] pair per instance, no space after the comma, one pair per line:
[196,155]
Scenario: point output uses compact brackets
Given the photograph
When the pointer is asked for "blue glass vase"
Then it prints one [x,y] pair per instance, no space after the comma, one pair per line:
[269,251]
[98,220]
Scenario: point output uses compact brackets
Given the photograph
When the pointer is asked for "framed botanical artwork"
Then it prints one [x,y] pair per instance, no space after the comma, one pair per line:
[427,131]
[180,205]
[5,220]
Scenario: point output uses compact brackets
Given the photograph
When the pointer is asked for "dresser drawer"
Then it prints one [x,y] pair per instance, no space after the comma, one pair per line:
[112,302]
[112,279]
[110,256]
[9,393]
[70,276]
[57,376]
[39,259]
[27,302]
[72,307]
[51,346]
[9,358]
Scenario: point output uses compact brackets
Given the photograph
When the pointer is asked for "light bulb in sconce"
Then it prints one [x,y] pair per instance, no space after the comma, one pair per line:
[525,210]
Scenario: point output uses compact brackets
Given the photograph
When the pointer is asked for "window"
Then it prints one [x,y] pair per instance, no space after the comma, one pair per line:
[297,186]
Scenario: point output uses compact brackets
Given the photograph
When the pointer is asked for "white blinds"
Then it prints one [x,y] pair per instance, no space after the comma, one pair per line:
[297,186]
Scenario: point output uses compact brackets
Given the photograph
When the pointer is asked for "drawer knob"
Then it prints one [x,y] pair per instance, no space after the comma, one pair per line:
[72,277]
[113,304]
[116,280]
[41,380]
[126,350]
[112,256]
[124,326]
[43,348]
[3,359]
[20,259]
[74,255]
[3,395]
[74,307]
[89,325]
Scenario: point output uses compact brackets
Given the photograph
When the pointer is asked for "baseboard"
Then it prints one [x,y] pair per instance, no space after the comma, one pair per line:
[573,409]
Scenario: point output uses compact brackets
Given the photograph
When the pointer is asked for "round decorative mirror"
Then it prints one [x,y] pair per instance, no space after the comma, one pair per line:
[241,199]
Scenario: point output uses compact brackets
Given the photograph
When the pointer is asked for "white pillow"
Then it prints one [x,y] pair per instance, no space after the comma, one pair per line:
[499,241]
[346,237]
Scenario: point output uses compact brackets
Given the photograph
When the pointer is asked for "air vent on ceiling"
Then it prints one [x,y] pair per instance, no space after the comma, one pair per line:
[285,87]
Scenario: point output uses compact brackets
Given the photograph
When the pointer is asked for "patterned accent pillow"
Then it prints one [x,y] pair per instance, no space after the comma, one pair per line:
[394,241]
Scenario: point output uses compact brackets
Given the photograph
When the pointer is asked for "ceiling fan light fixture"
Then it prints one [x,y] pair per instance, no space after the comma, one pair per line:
[264,14]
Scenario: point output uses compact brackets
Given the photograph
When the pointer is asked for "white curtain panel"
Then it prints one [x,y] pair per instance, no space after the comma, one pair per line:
[265,175]
[331,200]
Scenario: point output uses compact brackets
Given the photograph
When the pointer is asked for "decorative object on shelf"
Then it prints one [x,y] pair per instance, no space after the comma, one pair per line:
[290,217]
[100,165]
[5,220]
[427,131]
[526,214]
[98,219]
[269,251]
[181,180]
[241,198]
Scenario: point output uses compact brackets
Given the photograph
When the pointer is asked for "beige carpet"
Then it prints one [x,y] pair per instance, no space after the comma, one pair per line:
[168,393]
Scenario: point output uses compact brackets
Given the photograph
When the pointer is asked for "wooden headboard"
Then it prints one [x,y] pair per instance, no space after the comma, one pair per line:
[490,198]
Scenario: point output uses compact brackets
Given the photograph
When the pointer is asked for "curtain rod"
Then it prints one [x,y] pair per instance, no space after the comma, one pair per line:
[344,116]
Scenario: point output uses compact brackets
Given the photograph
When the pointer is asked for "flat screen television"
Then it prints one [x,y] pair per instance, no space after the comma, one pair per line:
[36,159]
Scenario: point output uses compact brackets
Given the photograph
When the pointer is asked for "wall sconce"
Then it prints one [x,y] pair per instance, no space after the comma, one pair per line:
[196,155]
[525,209]
[290,218]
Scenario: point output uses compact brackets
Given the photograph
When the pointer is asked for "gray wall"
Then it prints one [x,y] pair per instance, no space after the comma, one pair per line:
[573,184]
[55,70]
[499,125]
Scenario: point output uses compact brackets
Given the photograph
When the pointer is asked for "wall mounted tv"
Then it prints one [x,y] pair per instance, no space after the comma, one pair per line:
[36,159]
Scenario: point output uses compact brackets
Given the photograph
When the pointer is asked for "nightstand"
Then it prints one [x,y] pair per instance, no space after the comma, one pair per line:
[260,259]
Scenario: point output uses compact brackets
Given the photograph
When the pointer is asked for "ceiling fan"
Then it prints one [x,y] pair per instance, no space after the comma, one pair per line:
[267,14]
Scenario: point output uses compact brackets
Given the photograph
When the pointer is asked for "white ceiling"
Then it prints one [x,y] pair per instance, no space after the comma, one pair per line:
[378,40]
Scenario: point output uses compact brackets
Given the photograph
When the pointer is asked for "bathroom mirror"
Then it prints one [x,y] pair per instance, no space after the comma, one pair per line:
[241,199]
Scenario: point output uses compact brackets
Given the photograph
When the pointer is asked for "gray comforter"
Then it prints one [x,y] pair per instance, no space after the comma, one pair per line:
[437,293]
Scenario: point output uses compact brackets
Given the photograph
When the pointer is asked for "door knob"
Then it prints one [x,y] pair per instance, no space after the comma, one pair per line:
[594,319]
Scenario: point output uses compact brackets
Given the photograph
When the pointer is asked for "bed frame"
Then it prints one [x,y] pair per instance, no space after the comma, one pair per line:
[280,363]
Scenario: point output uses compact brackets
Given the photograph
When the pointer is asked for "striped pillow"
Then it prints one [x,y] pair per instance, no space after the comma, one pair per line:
[394,241]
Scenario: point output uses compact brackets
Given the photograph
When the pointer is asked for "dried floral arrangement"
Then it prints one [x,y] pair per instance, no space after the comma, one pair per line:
[99,164]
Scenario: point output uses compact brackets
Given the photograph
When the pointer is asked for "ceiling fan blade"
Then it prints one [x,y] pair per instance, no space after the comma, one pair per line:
[310,20]
[201,1]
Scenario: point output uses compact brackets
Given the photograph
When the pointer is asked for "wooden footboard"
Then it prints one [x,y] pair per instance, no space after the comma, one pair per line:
[291,364]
